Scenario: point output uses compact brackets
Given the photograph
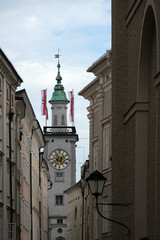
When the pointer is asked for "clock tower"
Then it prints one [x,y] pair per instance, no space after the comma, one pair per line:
[60,154]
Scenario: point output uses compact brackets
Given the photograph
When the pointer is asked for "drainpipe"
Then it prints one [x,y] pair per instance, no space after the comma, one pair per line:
[10,152]
[40,163]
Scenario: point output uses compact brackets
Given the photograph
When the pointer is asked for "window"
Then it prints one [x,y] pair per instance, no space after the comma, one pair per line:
[95,224]
[106,147]
[75,213]
[0,85]
[62,120]
[108,77]
[26,171]
[7,130]
[1,213]
[0,174]
[7,95]
[59,221]
[106,213]
[12,100]
[25,215]
[59,176]
[0,124]
[18,198]
[59,200]
[95,157]
[8,171]
[55,120]
[69,219]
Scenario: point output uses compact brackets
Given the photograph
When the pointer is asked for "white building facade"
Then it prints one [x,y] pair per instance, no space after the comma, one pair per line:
[60,155]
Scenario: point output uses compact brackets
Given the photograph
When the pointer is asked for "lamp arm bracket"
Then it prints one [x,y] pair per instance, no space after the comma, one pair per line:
[123,225]
[116,204]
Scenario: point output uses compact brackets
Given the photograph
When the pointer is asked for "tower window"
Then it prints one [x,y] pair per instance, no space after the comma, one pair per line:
[59,221]
[62,120]
[55,120]
[59,200]
[59,177]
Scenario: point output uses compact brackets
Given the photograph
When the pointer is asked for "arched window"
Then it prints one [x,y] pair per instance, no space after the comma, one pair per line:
[62,120]
[148,56]
[55,120]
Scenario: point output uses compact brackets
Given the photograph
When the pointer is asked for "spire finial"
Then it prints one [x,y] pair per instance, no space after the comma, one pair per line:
[58,78]
[59,93]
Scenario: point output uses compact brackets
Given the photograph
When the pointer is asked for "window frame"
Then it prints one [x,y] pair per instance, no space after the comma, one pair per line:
[0,84]
[55,120]
[59,200]
[106,146]
[62,120]
[59,220]
[59,178]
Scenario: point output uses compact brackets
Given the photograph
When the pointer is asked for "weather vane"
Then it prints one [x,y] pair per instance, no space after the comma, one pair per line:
[57,55]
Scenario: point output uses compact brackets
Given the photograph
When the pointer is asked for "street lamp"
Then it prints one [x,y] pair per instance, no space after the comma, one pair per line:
[96,182]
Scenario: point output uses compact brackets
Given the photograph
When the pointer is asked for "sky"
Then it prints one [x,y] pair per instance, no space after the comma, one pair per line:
[31,31]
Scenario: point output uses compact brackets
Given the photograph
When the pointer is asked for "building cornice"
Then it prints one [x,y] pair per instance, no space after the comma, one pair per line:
[8,70]
[103,58]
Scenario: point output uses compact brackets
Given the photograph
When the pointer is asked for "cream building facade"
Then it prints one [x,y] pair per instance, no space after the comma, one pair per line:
[34,176]
[23,172]
[98,92]
[136,117]
[44,186]
[78,207]
[20,114]
[74,212]
[9,81]
[24,169]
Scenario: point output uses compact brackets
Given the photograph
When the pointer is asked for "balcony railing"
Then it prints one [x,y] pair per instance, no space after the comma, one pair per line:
[59,130]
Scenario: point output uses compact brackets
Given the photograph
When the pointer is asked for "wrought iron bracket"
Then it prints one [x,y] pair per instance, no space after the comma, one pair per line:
[113,204]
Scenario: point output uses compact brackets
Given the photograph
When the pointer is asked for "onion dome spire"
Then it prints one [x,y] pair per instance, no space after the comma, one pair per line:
[59,93]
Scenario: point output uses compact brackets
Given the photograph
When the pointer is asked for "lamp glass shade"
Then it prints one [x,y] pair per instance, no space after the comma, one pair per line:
[96,182]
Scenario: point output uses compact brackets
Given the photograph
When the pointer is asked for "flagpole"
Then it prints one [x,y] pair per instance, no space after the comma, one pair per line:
[73,108]
[46,107]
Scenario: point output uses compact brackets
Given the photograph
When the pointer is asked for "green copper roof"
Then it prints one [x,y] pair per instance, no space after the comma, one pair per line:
[59,93]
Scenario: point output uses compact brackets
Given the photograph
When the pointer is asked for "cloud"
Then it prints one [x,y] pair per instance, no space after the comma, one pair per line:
[37,22]
[32,31]
[37,76]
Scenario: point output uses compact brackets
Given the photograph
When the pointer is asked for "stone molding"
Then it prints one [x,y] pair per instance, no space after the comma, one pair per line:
[136,107]
[132,11]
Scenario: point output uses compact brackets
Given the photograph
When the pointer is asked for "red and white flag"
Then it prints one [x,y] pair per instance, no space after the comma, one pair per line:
[71,98]
[44,110]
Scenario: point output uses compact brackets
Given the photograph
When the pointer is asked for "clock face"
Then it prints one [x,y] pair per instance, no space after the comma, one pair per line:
[59,159]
